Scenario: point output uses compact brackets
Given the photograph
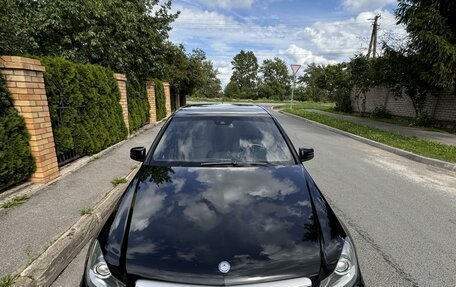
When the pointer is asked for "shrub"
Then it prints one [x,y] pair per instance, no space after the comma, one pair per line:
[424,120]
[381,112]
[16,161]
[90,117]
[343,102]
[138,104]
[160,103]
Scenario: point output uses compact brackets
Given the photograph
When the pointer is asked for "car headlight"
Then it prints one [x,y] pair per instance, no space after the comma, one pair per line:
[346,271]
[97,273]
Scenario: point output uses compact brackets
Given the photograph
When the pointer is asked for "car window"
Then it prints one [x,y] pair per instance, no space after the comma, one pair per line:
[223,139]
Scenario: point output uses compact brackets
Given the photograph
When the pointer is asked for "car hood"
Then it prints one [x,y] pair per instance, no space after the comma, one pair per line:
[178,224]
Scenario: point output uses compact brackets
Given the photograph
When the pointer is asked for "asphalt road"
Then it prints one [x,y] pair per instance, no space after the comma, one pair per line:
[401,214]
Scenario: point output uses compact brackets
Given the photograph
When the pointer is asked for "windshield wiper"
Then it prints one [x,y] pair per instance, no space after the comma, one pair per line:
[219,163]
[235,163]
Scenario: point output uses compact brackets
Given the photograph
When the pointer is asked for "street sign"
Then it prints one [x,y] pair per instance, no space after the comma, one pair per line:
[295,68]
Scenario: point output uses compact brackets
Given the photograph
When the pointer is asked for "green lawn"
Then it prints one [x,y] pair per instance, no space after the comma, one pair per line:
[412,144]
[228,100]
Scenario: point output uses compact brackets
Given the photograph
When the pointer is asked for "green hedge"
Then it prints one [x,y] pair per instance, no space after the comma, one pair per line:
[16,161]
[92,118]
[160,99]
[138,103]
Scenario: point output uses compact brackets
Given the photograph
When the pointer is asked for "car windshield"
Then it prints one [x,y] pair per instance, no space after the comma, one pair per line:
[226,140]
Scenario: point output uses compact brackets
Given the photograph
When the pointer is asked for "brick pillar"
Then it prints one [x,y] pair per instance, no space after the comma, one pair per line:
[122,83]
[24,78]
[150,88]
[167,98]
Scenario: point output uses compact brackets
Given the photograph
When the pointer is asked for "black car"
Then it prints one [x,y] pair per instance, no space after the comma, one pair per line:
[222,199]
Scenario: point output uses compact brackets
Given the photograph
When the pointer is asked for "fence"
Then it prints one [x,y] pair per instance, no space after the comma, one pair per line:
[25,80]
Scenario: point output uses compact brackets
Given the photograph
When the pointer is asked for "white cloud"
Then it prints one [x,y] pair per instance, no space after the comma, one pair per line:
[229,4]
[365,5]
[342,39]
[321,42]
[302,56]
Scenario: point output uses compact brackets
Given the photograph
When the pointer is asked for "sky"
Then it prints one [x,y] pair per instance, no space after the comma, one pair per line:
[296,31]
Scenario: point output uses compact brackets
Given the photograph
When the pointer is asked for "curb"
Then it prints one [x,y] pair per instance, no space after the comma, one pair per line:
[47,267]
[409,155]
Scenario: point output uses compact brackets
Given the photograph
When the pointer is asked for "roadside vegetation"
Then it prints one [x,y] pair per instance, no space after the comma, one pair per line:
[412,144]
[118,180]
[8,280]
[86,210]
[15,201]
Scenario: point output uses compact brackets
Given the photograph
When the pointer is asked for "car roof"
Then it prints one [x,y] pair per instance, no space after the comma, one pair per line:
[221,110]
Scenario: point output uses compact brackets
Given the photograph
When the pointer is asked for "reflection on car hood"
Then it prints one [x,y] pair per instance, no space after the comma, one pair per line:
[186,220]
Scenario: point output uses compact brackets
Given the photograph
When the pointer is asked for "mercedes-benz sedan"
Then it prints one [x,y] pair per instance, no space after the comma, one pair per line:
[222,199]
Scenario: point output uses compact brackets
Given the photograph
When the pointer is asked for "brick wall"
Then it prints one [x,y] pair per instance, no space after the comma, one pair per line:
[24,79]
[442,106]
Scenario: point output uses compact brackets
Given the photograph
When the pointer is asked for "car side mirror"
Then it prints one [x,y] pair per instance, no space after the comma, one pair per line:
[306,154]
[138,153]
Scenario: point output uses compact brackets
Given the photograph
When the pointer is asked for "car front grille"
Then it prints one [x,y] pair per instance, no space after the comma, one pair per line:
[298,282]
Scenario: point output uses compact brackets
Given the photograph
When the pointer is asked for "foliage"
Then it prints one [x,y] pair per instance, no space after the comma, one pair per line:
[245,75]
[138,103]
[8,280]
[160,102]
[313,75]
[209,85]
[333,81]
[275,81]
[16,161]
[124,35]
[91,118]
[381,112]
[191,74]
[405,74]
[412,144]
[432,28]
[118,180]
[362,76]
[232,91]
[15,201]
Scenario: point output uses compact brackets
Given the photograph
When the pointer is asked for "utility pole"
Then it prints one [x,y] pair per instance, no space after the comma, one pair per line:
[373,40]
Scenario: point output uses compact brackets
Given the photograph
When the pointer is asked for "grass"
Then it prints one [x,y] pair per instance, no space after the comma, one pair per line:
[118,180]
[15,201]
[228,100]
[86,210]
[412,144]
[8,280]
[329,107]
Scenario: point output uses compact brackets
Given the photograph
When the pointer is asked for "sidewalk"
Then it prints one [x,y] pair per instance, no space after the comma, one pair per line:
[441,137]
[27,230]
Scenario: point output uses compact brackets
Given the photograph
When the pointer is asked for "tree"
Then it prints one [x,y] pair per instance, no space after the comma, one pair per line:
[127,36]
[313,75]
[363,77]
[330,82]
[432,28]
[405,73]
[232,91]
[245,74]
[275,81]
[210,85]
